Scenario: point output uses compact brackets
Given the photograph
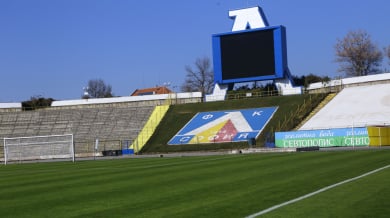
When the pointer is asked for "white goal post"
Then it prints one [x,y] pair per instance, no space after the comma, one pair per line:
[39,148]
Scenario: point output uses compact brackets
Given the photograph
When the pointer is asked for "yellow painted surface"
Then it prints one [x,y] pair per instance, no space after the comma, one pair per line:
[379,136]
[205,136]
[378,131]
[379,141]
[149,128]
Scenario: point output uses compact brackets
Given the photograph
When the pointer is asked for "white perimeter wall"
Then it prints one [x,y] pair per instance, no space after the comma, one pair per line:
[354,107]
[10,105]
[352,80]
[126,99]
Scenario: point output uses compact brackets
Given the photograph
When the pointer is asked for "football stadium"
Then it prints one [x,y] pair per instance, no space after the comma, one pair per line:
[319,152]
[159,158]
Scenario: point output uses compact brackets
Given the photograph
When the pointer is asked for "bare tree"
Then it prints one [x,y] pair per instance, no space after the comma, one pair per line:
[97,88]
[200,79]
[387,51]
[357,54]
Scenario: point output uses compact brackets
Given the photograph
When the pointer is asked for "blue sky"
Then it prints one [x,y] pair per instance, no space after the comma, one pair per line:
[52,48]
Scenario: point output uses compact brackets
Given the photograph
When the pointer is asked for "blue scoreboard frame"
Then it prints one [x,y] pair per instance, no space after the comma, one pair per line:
[250,55]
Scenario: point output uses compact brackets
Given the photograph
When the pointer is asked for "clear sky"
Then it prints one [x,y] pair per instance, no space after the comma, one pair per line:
[51,48]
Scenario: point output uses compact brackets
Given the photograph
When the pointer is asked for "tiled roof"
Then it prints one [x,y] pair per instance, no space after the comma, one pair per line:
[152,91]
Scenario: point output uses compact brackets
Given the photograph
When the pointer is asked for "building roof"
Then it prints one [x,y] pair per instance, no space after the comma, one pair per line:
[152,91]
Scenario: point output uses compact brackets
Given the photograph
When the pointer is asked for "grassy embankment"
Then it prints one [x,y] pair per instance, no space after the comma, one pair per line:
[291,111]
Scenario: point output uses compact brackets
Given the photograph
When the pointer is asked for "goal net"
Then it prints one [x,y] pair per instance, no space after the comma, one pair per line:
[39,148]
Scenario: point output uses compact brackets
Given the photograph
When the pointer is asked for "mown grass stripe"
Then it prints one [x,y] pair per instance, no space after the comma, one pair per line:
[315,192]
[213,186]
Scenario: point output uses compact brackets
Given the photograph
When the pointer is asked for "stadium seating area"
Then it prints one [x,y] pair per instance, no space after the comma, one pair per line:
[118,123]
[115,123]
[358,106]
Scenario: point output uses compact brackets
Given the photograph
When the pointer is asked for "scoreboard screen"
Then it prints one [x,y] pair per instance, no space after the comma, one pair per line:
[250,55]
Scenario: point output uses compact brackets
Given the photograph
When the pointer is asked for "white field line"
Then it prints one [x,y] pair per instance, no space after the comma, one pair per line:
[314,193]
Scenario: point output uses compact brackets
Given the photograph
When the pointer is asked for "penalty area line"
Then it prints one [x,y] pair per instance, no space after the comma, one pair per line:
[315,192]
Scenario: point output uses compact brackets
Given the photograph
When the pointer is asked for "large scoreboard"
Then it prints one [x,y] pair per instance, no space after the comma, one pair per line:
[250,55]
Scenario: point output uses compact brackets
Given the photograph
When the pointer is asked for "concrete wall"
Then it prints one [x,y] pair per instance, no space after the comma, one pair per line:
[338,84]
[10,107]
[132,101]
[357,106]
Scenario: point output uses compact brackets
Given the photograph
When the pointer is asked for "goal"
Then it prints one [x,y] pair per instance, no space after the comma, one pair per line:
[39,148]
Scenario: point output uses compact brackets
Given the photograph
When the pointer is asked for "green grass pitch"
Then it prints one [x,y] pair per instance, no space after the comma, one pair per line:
[209,186]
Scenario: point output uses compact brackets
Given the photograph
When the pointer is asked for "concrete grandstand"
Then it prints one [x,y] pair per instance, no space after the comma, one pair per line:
[118,122]
[114,122]
[358,106]
[108,124]
[359,115]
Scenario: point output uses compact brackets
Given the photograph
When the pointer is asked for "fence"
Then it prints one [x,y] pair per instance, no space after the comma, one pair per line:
[291,119]
[251,94]
[93,148]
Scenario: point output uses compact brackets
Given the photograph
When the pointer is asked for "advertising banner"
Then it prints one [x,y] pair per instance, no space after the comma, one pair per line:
[224,126]
[323,138]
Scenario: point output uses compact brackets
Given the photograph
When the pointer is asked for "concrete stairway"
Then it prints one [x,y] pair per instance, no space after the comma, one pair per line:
[326,100]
